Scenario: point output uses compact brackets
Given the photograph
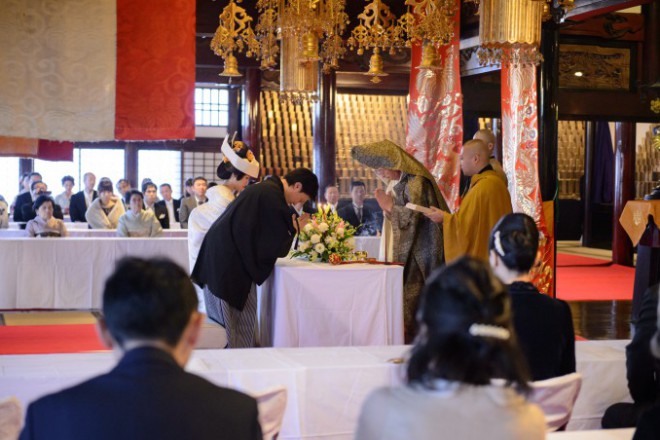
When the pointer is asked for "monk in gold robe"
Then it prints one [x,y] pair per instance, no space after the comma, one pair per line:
[489,138]
[467,230]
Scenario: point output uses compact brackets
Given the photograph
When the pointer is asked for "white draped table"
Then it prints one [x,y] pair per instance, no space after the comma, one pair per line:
[69,273]
[91,233]
[326,386]
[306,304]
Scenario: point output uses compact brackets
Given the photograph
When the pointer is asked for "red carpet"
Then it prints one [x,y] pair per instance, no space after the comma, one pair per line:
[590,279]
[44,339]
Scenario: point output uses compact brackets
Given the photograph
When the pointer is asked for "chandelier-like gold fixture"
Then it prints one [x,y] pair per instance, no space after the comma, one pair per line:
[510,30]
[430,22]
[234,34]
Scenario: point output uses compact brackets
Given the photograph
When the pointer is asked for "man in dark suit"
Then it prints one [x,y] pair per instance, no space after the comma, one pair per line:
[167,209]
[150,317]
[190,203]
[37,189]
[357,213]
[25,198]
[81,200]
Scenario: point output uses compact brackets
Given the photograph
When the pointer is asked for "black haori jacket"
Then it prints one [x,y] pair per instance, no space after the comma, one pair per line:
[243,244]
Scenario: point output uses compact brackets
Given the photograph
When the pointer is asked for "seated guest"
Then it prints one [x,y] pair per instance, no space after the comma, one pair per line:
[4,213]
[150,191]
[104,212]
[544,325]
[123,186]
[332,197]
[64,199]
[150,319]
[190,203]
[44,224]
[137,221]
[26,197]
[648,426]
[168,205]
[82,200]
[642,370]
[357,213]
[466,339]
[39,188]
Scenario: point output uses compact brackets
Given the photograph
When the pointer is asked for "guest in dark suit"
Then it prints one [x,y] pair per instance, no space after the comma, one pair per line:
[150,317]
[25,198]
[544,325]
[37,189]
[642,369]
[82,200]
[190,203]
[168,206]
[357,213]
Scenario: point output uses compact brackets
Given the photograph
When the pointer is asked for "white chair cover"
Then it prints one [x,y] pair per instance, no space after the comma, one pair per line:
[557,397]
[272,404]
[11,418]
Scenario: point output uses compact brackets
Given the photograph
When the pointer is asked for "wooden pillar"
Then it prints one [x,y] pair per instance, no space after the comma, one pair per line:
[325,148]
[587,196]
[548,104]
[651,13]
[251,130]
[131,164]
[234,101]
[624,190]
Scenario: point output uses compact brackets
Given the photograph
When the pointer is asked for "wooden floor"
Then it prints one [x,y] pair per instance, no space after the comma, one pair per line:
[601,319]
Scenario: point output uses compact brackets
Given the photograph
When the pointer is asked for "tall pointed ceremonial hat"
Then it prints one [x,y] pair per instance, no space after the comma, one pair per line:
[247,165]
[387,154]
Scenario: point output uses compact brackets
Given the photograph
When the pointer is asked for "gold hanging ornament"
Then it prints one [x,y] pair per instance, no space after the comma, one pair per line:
[379,30]
[234,34]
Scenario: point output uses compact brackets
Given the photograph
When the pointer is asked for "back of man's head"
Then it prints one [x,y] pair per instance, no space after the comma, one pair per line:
[148,300]
[308,180]
[486,136]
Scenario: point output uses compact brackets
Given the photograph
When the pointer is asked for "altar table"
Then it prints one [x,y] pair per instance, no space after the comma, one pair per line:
[69,273]
[92,233]
[596,434]
[305,304]
[326,386]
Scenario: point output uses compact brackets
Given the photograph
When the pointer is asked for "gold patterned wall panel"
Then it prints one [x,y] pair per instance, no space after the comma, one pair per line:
[603,68]
[362,119]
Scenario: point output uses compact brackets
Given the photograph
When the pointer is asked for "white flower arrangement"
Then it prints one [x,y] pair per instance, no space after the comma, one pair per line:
[326,237]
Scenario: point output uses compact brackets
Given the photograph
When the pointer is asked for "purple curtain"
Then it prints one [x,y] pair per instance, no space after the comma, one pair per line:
[603,182]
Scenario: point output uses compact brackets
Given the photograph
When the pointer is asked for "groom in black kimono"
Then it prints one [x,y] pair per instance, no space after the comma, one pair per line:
[241,247]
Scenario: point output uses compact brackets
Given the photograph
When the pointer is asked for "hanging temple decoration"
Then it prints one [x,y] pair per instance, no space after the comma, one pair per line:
[304,34]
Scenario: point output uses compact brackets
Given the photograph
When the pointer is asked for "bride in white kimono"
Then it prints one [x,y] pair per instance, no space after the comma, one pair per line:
[235,170]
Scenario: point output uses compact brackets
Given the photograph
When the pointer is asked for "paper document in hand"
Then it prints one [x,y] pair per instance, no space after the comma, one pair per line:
[422,209]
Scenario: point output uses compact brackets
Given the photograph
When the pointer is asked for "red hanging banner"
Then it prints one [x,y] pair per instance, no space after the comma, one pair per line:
[520,151]
[435,116]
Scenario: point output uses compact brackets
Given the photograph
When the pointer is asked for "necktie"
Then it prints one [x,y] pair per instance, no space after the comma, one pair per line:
[359,213]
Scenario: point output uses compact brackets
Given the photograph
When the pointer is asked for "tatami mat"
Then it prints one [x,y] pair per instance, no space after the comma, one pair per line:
[48,318]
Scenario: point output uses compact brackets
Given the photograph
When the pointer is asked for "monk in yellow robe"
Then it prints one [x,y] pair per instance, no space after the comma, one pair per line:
[467,230]
[489,138]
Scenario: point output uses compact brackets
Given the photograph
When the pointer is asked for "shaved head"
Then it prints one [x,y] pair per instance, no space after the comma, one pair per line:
[475,157]
[487,136]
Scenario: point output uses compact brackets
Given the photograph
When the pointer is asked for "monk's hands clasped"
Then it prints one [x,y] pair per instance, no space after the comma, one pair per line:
[385,201]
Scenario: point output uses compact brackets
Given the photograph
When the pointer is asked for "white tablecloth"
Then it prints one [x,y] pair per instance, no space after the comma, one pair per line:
[69,273]
[326,386]
[369,244]
[306,304]
[76,232]
[597,434]
[69,225]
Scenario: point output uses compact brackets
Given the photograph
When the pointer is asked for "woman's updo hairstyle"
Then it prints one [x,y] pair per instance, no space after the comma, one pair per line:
[465,330]
[226,169]
[515,239]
